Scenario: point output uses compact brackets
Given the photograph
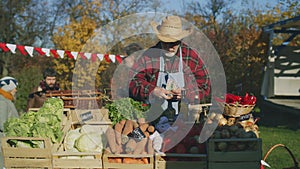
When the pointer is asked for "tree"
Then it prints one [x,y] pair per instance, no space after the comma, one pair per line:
[86,17]
[239,40]
[32,23]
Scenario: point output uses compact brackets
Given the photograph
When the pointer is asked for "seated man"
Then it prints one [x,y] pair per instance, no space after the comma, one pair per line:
[37,96]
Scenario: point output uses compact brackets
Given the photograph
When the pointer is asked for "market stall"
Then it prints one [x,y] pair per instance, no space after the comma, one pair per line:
[125,139]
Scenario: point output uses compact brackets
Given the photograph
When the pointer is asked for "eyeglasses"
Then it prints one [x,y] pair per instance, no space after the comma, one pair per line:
[171,43]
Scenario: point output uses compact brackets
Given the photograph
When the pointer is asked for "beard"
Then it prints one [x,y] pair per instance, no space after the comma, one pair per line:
[170,54]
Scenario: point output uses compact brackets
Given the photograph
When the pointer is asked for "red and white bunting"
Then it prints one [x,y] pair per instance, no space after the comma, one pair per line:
[29,50]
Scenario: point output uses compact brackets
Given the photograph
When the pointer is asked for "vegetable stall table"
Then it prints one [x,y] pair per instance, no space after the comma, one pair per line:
[79,99]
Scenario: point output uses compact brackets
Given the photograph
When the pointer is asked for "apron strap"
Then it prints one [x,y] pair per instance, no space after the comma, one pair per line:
[180,66]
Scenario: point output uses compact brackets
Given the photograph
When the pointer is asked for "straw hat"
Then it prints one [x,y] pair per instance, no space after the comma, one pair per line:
[170,29]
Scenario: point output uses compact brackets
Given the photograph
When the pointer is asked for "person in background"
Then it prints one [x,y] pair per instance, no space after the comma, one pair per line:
[164,70]
[120,79]
[37,96]
[8,90]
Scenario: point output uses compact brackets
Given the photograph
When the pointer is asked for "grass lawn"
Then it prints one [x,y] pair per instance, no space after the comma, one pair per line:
[279,158]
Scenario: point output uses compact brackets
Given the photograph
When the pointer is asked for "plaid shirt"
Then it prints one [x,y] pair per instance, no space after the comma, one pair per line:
[145,71]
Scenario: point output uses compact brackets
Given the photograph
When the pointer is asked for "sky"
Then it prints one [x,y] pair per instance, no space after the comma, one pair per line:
[178,5]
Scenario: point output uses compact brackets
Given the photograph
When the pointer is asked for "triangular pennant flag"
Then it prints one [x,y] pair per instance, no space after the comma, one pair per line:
[112,58]
[88,55]
[106,57]
[118,58]
[69,54]
[54,53]
[100,56]
[61,53]
[82,55]
[74,54]
[11,47]
[29,50]
[4,47]
[22,50]
[94,57]
[47,51]
[39,50]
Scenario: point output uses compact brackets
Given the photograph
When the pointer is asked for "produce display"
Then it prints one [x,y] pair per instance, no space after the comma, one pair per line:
[130,137]
[236,126]
[236,106]
[44,123]
[190,143]
[126,108]
[87,138]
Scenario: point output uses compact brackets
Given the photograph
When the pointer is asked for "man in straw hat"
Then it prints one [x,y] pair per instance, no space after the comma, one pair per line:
[170,66]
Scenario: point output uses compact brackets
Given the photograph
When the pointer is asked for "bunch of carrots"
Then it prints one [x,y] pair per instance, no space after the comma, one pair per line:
[120,141]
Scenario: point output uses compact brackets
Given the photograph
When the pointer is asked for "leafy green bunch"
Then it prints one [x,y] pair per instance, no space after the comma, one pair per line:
[126,108]
[46,122]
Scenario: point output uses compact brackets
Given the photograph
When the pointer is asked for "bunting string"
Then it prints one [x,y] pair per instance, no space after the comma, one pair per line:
[28,50]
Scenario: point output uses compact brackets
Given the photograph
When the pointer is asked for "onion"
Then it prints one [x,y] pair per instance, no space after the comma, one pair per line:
[222,122]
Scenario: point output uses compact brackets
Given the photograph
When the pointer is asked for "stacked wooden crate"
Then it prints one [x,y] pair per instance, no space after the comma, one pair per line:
[239,153]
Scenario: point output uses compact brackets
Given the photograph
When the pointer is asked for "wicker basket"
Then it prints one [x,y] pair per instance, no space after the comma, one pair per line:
[296,166]
[235,110]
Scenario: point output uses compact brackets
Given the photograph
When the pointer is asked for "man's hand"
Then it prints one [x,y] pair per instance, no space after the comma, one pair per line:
[162,93]
[176,93]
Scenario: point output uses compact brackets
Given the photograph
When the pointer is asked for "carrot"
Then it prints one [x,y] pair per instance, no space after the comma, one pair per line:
[135,124]
[111,160]
[128,127]
[150,148]
[147,134]
[141,120]
[124,139]
[111,139]
[118,159]
[122,122]
[140,161]
[151,129]
[144,127]
[118,130]
[119,149]
[145,160]
[128,160]
[140,146]
[130,146]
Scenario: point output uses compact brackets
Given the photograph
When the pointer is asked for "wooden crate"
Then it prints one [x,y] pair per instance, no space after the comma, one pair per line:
[63,159]
[80,99]
[235,165]
[17,157]
[247,157]
[91,116]
[107,164]
[180,161]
